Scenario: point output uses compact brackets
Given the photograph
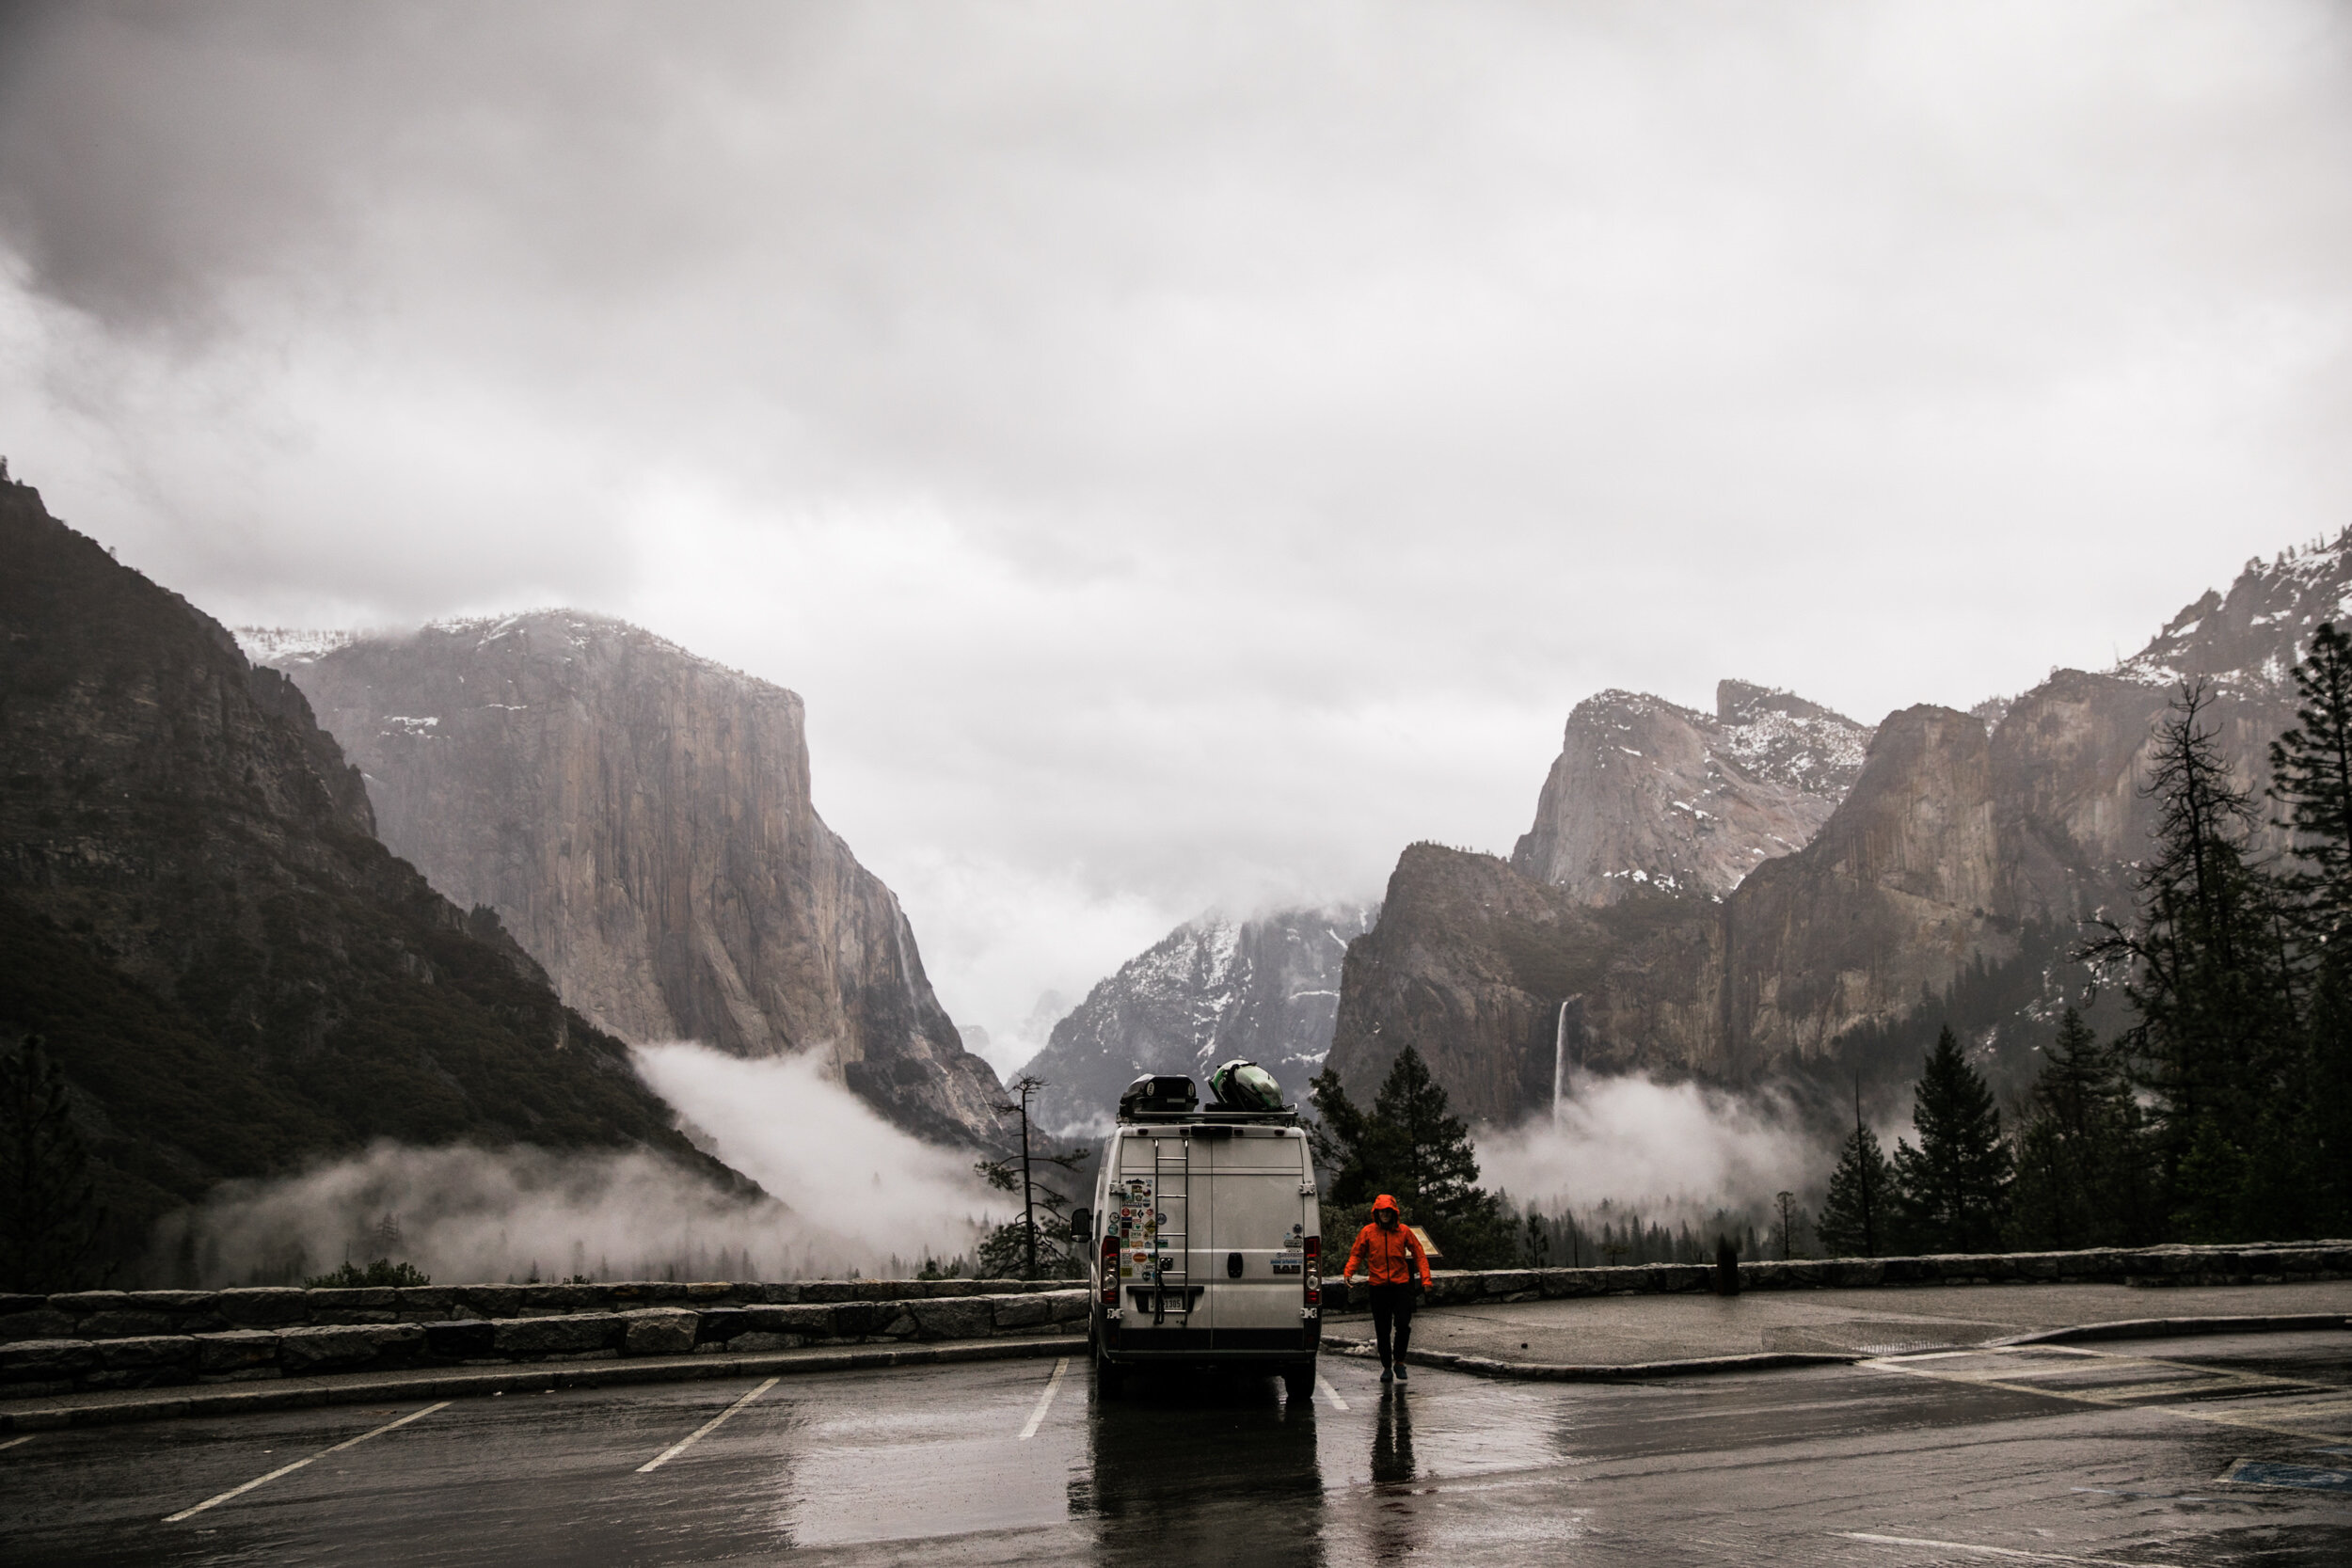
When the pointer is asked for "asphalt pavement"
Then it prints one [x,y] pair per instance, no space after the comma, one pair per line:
[2215,1451]
[1622,1330]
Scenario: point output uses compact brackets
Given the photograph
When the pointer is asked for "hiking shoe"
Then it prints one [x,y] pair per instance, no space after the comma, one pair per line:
[1386,1374]
[1400,1371]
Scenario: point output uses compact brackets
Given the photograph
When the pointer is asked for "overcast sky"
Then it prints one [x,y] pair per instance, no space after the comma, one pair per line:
[1184,454]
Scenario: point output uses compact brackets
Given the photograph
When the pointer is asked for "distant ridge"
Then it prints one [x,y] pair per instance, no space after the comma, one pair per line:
[1944,879]
[1212,989]
[236,977]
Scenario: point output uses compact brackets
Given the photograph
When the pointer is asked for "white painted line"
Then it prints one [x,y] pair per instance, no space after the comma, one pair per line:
[703,1430]
[1045,1400]
[14,1441]
[289,1469]
[2130,1397]
[1329,1393]
[2010,1553]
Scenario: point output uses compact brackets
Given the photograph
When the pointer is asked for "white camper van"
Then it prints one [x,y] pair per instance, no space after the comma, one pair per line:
[1204,1235]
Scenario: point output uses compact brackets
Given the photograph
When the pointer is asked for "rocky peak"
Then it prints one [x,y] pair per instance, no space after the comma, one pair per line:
[1212,989]
[2248,640]
[1646,794]
[640,818]
[235,976]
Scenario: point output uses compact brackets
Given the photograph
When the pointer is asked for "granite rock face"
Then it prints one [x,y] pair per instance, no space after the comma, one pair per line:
[1649,795]
[641,820]
[1212,989]
[1501,982]
[1960,860]
[235,975]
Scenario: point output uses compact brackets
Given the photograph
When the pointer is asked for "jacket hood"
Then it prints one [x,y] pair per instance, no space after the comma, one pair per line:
[1383,1201]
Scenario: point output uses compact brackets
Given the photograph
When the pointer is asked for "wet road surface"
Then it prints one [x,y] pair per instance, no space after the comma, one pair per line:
[2120,1454]
[1615,1330]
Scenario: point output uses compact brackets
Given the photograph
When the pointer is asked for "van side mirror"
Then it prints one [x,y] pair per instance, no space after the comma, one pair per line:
[1081,1224]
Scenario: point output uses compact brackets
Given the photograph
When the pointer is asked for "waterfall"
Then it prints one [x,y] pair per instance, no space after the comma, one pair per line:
[1559,1061]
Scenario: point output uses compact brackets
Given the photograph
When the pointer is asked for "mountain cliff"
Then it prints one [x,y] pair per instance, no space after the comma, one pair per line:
[641,820]
[1646,794]
[1949,882]
[1209,991]
[234,973]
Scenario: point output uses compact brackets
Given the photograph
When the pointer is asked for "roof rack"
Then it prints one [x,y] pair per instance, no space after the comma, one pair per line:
[1211,1115]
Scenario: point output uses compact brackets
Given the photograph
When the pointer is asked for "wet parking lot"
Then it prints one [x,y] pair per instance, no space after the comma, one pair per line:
[2209,1452]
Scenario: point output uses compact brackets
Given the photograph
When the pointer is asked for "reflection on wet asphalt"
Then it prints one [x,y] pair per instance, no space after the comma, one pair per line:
[2229,1453]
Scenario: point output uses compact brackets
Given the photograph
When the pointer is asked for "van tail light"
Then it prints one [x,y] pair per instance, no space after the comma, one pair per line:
[1109,1282]
[1314,1271]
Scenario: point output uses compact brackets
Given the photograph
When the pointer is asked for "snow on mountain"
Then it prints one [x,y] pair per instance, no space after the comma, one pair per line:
[1209,991]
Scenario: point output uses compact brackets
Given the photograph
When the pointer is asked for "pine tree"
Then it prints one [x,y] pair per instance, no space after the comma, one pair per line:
[2330,1096]
[1338,1136]
[1857,1216]
[1412,1144]
[2310,776]
[2217,1038]
[2082,1173]
[49,1213]
[1954,1186]
[1424,1147]
[1030,1247]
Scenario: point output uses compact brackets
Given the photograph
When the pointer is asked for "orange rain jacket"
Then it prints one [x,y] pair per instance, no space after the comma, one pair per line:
[1387,1256]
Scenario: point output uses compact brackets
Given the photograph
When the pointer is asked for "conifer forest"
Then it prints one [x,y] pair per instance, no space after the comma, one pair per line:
[2222,1111]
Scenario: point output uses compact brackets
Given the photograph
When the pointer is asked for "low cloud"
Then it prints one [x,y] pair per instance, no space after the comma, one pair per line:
[1184,454]
[845,1191]
[1667,1151]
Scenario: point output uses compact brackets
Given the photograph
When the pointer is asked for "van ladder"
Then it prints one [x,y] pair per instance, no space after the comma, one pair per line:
[1175,1201]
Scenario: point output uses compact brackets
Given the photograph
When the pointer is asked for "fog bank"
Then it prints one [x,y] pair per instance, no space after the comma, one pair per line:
[845,1192]
[1668,1151]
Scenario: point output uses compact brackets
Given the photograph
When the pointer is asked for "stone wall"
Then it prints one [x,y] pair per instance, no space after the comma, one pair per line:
[2151,1267]
[349,1335]
[120,1314]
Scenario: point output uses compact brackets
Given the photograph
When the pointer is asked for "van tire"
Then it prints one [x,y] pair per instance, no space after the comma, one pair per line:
[1108,1375]
[1299,1382]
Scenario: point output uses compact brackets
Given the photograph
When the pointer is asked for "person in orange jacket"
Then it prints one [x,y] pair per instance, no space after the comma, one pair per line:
[1389,1252]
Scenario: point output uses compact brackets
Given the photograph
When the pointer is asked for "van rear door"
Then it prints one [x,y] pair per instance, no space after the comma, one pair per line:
[1162,1204]
[1261,1219]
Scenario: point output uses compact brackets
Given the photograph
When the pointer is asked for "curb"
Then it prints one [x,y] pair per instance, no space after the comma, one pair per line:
[2165,1328]
[1553,1371]
[360,1389]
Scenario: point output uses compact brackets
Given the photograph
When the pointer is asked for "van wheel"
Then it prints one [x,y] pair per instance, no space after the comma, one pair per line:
[1108,1376]
[1299,1382]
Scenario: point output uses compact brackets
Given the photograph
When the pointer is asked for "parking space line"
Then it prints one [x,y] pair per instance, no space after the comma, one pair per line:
[14,1441]
[2247,1383]
[703,1430]
[1045,1400]
[2010,1553]
[289,1469]
[1329,1393]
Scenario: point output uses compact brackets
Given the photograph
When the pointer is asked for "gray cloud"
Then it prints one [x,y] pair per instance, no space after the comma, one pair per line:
[1182,457]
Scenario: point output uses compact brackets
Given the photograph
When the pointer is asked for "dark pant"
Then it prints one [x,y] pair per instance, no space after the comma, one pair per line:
[1392,1305]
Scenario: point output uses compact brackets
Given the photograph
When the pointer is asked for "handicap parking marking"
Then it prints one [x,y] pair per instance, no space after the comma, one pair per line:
[289,1469]
[2307,1477]
[703,1430]
[1045,1400]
